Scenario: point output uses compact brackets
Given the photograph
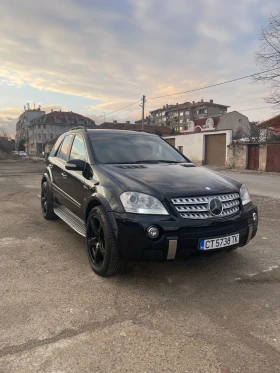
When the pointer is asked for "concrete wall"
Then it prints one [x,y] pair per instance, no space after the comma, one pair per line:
[194,144]
[234,121]
[237,156]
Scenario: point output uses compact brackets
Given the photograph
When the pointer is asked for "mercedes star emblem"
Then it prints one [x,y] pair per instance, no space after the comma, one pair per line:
[215,207]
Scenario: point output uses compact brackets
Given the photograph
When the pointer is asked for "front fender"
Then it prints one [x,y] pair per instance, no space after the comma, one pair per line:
[98,199]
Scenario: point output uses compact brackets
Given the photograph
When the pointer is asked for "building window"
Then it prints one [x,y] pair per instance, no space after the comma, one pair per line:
[51,136]
[187,112]
[181,114]
[180,148]
[39,126]
[44,126]
[181,121]
[39,137]
[44,137]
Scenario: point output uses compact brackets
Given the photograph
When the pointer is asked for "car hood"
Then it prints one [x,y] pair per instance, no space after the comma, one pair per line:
[172,180]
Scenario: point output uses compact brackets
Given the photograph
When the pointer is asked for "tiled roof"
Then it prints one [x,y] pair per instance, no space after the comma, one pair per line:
[202,122]
[62,117]
[271,122]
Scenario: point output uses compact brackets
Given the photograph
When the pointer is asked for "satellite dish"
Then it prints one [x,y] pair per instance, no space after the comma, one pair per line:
[209,123]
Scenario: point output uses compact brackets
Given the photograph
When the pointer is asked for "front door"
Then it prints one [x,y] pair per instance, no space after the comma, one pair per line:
[74,180]
[58,169]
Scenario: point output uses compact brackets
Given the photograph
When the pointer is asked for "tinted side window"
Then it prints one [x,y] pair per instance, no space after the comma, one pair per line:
[64,150]
[55,147]
[78,150]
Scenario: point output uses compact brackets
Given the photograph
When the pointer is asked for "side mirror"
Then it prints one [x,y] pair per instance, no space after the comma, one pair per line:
[75,165]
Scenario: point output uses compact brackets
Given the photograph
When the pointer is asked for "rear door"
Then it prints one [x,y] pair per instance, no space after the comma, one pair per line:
[58,162]
[74,180]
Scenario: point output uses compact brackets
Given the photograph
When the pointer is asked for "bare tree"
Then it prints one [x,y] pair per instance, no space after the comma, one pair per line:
[253,132]
[268,58]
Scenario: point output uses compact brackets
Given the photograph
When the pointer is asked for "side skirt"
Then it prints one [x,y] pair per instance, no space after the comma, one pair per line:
[71,219]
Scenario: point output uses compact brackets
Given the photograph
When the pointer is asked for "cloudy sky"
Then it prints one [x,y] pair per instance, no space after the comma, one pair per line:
[93,56]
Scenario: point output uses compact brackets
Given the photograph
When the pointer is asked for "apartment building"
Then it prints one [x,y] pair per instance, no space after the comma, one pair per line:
[23,123]
[181,116]
[52,125]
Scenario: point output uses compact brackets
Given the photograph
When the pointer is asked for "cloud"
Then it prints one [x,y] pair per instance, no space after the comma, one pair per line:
[8,119]
[115,52]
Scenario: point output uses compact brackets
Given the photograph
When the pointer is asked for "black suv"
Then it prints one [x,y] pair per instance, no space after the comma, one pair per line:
[135,197]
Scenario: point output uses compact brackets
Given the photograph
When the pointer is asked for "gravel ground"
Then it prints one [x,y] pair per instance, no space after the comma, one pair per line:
[215,314]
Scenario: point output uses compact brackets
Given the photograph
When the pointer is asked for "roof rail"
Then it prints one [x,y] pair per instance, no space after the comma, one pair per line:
[79,128]
[153,133]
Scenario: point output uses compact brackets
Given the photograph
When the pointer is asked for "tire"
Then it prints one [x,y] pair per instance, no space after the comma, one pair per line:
[102,245]
[47,202]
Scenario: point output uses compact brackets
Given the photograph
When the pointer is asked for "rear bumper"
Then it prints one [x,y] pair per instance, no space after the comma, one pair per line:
[178,237]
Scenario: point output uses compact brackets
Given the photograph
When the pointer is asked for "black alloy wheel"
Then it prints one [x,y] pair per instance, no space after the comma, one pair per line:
[44,197]
[96,242]
[102,245]
[47,202]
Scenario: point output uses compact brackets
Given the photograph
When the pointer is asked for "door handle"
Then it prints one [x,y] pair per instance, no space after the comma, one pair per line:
[64,175]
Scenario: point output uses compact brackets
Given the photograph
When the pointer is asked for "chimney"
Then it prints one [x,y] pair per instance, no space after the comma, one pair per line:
[211,101]
[167,106]
[127,122]
[193,102]
[115,121]
[52,110]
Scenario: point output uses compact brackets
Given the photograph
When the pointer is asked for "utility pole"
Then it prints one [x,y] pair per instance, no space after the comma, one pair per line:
[143,110]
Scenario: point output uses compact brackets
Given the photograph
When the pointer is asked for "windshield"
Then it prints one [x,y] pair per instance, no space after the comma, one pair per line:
[132,148]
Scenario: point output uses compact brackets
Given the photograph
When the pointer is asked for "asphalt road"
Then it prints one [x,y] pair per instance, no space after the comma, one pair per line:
[262,184]
[206,314]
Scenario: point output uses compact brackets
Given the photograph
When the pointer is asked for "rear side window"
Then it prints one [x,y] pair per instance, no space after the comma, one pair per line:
[63,152]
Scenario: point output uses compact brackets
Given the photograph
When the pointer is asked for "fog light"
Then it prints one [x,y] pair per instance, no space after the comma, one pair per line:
[153,232]
[255,217]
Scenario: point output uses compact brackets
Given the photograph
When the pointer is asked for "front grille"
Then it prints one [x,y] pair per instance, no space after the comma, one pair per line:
[198,207]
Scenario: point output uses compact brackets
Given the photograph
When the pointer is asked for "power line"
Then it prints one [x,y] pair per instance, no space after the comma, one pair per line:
[213,85]
[112,112]
[256,108]
[191,90]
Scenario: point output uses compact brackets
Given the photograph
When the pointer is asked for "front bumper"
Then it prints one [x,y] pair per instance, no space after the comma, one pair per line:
[179,237]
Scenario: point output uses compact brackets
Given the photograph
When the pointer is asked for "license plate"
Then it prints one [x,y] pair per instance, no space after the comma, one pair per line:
[218,243]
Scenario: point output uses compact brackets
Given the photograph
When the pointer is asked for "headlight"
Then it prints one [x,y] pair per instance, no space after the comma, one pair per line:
[139,203]
[244,194]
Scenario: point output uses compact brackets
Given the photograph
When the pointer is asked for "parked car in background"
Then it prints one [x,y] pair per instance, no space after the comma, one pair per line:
[135,197]
[22,153]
